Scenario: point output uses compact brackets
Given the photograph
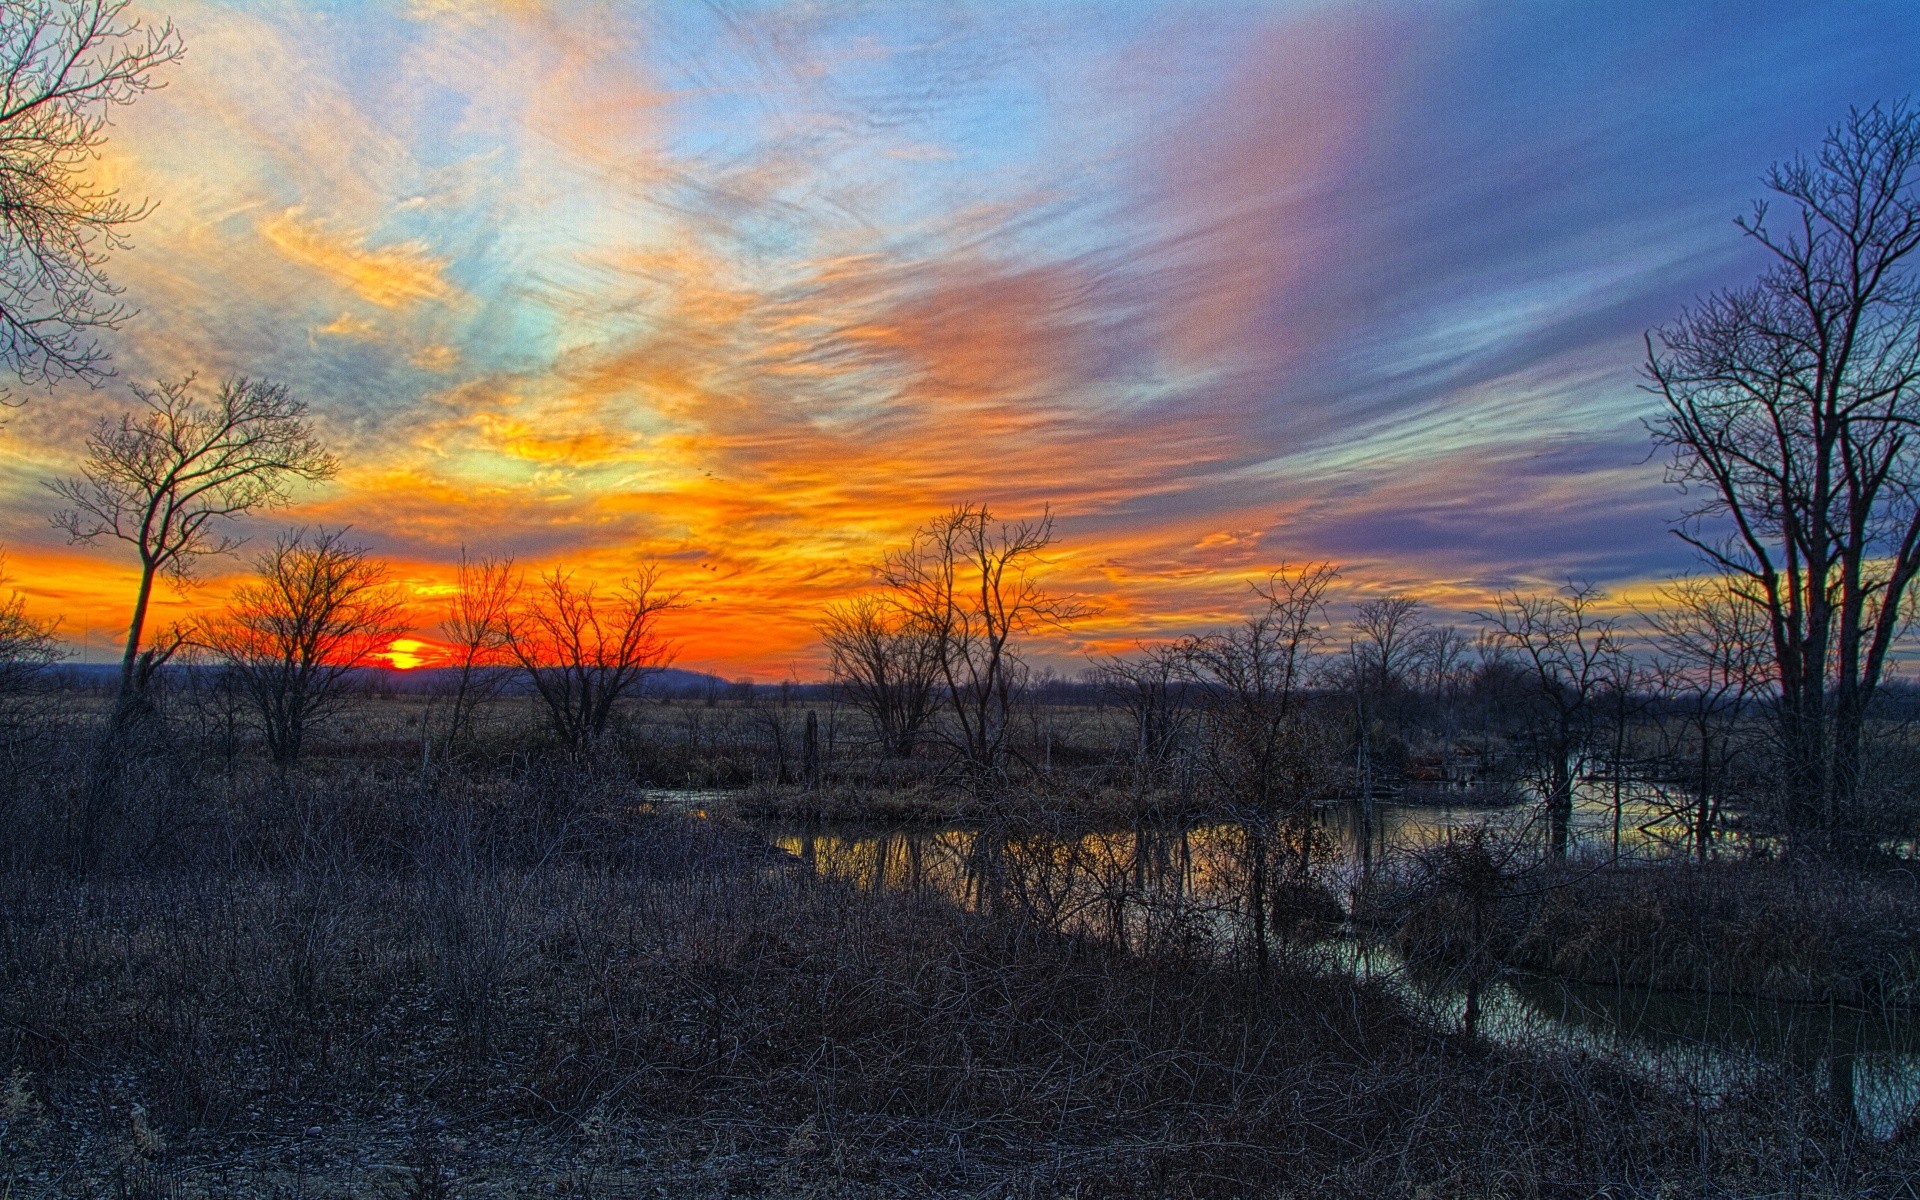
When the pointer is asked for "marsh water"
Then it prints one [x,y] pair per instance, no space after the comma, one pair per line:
[1145,884]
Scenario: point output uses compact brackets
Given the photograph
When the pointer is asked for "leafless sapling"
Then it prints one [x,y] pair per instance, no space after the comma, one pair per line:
[476,629]
[318,609]
[586,648]
[167,477]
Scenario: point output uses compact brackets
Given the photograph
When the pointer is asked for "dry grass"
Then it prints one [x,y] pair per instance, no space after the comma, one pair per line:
[662,993]
[506,977]
[1758,929]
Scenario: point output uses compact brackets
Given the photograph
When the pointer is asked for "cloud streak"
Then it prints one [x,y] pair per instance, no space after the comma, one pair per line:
[755,290]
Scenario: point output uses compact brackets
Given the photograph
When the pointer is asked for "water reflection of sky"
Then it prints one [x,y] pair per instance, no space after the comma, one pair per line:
[1142,883]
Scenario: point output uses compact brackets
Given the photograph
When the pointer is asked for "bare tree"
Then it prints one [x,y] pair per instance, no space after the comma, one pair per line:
[1711,645]
[64,66]
[477,627]
[1623,699]
[1568,652]
[1384,649]
[161,480]
[971,583]
[26,642]
[317,610]
[1790,409]
[1264,753]
[886,664]
[585,649]
[1387,635]
[1152,690]
[1443,674]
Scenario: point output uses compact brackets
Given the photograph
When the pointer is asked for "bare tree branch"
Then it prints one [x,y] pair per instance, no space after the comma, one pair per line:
[64,66]
[163,480]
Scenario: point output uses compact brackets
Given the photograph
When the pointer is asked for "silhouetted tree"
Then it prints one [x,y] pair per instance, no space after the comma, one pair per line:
[1711,663]
[886,665]
[970,582]
[64,66]
[1384,649]
[318,609]
[1265,755]
[1790,410]
[162,479]
[27,644]
[1567,651]
[477,631]
[585,649]
[1152,689]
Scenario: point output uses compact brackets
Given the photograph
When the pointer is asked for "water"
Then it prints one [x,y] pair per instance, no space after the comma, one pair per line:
[1146,885]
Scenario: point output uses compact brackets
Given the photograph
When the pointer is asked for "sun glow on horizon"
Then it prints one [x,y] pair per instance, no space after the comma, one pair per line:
[754,295]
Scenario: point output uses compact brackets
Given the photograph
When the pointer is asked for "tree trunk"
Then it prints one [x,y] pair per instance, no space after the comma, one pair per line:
[1560,807]
[1703,813]
[810,752]
[129,677]
[1257,894]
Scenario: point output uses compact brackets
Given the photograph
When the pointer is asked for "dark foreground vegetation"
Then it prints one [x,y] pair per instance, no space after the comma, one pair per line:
[514,975]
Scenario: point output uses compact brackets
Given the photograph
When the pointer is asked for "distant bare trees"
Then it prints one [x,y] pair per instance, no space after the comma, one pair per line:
[1791,406]
[318,609]
[1264,752]
[27,644]
[585,648]
[886,664]
[64,66]
[970,583]
[477,630]
[163,479]
[1152,689]
[1569,652]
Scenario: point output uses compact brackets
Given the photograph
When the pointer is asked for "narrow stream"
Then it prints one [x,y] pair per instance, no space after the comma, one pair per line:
[1138,884]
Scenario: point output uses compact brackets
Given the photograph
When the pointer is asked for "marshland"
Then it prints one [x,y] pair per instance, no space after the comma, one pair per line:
[1333,637]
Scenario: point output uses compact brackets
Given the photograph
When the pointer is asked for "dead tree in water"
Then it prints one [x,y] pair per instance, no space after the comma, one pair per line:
[1711,647]
[1263,751]
[1568,652]
[1388,641]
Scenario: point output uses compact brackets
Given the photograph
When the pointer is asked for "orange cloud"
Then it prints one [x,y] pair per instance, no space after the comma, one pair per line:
[391,276]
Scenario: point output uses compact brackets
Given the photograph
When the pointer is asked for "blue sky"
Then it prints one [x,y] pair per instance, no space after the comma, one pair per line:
[754,289]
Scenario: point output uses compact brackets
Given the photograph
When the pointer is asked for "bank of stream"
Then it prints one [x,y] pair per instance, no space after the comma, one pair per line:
[1180,880]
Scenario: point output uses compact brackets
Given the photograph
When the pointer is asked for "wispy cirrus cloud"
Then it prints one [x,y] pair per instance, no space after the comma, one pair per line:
[756,289]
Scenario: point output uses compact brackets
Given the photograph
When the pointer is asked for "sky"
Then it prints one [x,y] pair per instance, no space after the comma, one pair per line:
[753,290]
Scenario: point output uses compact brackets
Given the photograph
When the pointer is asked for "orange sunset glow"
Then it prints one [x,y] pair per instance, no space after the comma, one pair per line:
[756,295]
